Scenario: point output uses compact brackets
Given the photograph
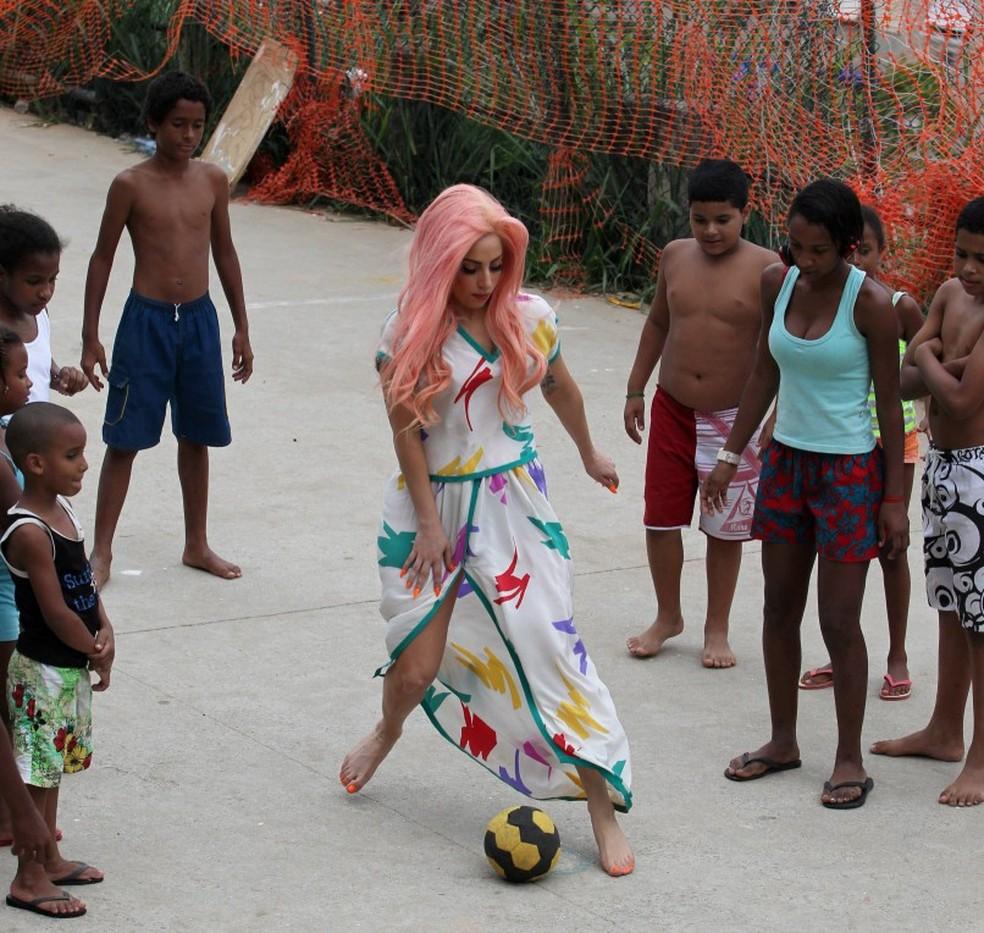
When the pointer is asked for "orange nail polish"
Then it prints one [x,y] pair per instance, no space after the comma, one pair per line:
[403,573]
[613,488]
[352,789]
[437,590]
[416,592]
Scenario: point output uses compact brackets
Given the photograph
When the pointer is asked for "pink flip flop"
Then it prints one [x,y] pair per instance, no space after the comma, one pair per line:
[804,682]
[891,684]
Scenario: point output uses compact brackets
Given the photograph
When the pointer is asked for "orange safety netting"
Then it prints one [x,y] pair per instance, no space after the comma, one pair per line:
[887,95]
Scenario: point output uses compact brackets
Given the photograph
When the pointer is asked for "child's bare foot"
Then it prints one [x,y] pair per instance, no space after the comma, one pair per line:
[206,559]
[651,641]
[100,564]
[967,790]
[614,850]
[717,651]
[844,773]
[360,764]
[922,744]
[32,883]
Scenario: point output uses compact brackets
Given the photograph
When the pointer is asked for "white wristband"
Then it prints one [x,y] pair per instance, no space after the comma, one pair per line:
[726,456]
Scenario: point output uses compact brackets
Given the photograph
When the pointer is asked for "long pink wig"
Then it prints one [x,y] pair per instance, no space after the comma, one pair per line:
[455,220]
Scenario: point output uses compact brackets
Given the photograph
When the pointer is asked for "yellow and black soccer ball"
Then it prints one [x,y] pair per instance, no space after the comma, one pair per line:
[522,843]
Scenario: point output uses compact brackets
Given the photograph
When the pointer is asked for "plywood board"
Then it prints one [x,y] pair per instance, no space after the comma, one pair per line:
[252,109]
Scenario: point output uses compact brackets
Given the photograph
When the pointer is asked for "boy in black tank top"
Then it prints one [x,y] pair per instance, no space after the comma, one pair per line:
[64,633]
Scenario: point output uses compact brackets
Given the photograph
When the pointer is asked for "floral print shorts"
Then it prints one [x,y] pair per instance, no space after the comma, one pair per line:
[51,717]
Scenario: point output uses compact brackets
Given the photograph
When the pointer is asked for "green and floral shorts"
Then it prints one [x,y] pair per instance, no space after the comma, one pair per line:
[51,717]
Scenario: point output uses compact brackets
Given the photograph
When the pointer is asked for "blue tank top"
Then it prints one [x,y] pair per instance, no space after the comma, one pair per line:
[823,383]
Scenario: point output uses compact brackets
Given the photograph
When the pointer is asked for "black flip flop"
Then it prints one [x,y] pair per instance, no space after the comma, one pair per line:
[865,786]
[72,878]
[35,906]
[771,767]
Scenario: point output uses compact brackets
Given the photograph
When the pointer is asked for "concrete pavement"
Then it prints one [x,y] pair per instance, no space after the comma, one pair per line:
[213,802]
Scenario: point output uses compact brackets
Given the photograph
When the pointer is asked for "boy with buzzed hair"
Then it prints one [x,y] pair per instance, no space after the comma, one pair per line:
[167,345]
[946,361]
[64,634]
[703,330]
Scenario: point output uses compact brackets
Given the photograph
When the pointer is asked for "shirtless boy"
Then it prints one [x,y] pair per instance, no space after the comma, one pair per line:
[167,343]
[703,330]
[946,360]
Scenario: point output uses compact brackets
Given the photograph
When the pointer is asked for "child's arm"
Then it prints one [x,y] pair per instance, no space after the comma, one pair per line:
[910,317]
[30,550]
[10,492]
[431,550]
[67,379]
[101,660]
[230,275]
[119,201]
[958,386]
[758,394]
[31,836]
[651,342]
[874,321]
[910,378]
[564,397]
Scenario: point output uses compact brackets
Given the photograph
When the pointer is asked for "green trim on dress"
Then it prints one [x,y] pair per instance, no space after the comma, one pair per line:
[491,357]
[482,474]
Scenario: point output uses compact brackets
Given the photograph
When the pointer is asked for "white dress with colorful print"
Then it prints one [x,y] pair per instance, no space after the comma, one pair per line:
[516,689]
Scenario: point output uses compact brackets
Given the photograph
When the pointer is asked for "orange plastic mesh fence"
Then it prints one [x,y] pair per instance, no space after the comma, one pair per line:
[887,95]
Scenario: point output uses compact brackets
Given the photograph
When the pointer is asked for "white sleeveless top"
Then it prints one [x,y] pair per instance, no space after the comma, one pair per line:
[39,360]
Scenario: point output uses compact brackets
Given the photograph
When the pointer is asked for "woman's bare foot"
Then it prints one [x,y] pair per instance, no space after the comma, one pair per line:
[32,882]
[100,564]
[210,562]
[842,773]
[717,651]
[614,850]
[967,790]
[923,744]
[651,641]
[360,764]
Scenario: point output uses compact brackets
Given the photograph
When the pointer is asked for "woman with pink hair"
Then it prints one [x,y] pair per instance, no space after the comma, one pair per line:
[475,567]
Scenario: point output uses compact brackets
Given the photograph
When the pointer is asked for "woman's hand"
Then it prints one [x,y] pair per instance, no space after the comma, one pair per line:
[601,468]
[893,529]
[713,490]
[429,556]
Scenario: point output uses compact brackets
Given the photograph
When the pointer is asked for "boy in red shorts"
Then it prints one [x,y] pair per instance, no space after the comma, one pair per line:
[702,329]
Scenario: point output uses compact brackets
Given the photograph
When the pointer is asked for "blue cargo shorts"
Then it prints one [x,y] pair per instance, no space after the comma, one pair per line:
[166,353]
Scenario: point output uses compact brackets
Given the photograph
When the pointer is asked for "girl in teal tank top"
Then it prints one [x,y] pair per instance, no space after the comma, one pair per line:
[826,491]
[895,573]
[15,385]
